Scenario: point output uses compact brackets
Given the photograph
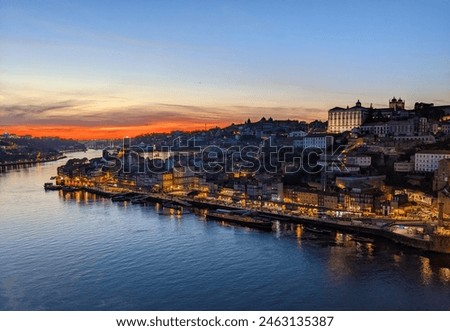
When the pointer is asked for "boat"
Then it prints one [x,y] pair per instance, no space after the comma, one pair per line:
[315,230]
[52,187]
[245,220]
[120,198]
[70,188]
[139,200]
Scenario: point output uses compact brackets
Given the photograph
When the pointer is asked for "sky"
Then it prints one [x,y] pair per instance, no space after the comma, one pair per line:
[109,69]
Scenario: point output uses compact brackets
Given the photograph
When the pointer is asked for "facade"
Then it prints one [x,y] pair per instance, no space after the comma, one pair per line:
[396,104]
[297,134]
[273,191]
[330,201]
[444,199]
[346,119]
[377,128]
[405,127]
[404,166]
[423,139]
[445,127]
[428,161]
[183,178]
[309,198]
[321,141]
[254,191]
[359,160]
[357,201]
[165,181]
[442,175]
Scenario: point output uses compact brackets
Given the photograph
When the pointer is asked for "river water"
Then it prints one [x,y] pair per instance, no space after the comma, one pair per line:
[76,251]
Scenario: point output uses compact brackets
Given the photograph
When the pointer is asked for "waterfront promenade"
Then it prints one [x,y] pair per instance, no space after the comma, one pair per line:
[386,228]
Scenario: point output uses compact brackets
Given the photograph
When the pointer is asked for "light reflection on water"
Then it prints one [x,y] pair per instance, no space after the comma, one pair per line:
[79,251]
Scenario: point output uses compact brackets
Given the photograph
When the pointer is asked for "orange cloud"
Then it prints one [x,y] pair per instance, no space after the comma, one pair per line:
[72,119]
[102,132]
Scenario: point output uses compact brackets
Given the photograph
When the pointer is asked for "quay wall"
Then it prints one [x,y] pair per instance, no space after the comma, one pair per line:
[436,243]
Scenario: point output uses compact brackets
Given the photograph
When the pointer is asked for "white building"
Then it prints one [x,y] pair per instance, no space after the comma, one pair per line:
[346,119]
[321,141]
[428,161]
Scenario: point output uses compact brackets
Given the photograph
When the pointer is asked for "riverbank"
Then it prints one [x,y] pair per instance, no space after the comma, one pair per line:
[432,243]
[5,166]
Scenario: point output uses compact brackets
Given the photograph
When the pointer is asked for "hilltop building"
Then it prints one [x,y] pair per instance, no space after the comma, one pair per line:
[346,119]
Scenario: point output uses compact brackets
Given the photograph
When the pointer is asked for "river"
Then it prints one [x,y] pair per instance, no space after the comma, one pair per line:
[76,251]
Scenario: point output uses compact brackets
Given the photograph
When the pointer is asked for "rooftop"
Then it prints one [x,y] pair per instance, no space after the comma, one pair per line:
[438,151]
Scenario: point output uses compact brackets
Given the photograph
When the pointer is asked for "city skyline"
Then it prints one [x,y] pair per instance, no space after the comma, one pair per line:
[102,70]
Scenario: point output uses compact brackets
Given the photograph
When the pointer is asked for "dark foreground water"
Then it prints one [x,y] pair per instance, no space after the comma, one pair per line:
[78,252]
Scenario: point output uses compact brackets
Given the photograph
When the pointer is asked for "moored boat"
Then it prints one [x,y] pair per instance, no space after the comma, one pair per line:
[315,230]
[120,198]
[70,188]
[52,187]
[245,220]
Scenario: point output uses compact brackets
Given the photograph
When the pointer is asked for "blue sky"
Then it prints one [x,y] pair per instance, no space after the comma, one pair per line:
[212,62]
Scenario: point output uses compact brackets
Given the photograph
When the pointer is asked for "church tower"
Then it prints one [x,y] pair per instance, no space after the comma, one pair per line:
[397,104]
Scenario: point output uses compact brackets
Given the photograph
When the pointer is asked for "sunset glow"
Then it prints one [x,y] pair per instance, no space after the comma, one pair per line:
[99,69]
[102,132]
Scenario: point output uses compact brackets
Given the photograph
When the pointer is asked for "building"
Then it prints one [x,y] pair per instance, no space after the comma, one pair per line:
[351,182]
[401,127]
[377,128]
[306,197]
[404,166]
[396,104]
[254,190]
[359,160]
[428,161]
[357,200]
[445,127]
[346,119]
[420,197]
[297,134]
[422,139]
[164,181]
[321,141]
[273,191]
[183,178]
[444,201]
[442,175]
[329,200]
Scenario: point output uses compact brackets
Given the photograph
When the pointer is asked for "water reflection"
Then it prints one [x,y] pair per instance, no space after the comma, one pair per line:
[425,270]
[397,258]
[298,235]
[444,275]
[344,248]
[85,252]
